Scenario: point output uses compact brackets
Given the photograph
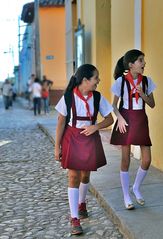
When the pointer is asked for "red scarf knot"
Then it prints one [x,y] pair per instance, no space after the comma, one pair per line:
[129,77]
[79,94]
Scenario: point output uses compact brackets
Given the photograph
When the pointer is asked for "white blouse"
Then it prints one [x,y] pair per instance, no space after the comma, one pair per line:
[36,89]
[105,108]
[116,89]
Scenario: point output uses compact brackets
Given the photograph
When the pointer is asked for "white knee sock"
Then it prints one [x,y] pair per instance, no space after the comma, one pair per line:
[141,173]
[73,197]
[83,189]
[124,176]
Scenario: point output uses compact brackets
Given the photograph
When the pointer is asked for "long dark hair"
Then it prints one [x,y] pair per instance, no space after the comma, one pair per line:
[37,80]
[85,70]
[123,63]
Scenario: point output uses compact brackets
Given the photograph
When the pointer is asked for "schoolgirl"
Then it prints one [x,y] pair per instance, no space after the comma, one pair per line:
[78,139]
[131,127]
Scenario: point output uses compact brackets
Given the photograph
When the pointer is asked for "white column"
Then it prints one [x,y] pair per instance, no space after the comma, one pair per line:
[138,20]
[79,9]
[137,44]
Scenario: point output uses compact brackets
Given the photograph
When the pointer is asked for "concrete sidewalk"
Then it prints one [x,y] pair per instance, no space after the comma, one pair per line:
[142,223]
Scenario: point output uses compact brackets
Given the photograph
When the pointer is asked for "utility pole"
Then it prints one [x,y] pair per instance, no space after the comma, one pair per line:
[37,39]
[19,54]
[11,52]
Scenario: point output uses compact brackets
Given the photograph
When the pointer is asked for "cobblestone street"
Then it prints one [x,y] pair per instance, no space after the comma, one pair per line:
[33,191]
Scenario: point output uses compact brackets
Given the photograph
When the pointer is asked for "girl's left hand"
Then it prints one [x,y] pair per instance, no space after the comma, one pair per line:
[88,130]
[57,154]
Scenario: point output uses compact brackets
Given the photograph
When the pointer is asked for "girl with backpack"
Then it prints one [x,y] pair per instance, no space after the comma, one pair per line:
[78,144]
[131,127]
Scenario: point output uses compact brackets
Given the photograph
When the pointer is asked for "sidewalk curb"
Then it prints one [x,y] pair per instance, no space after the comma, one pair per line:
[112,214]
[46,132]
[110,211]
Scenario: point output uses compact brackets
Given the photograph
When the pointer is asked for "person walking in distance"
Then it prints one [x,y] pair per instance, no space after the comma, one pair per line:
[45,96]
[36,93]
[48,84]
[78,144]
[6,92]
[131,127]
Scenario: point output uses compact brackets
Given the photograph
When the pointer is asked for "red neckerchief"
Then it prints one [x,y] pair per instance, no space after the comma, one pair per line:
[129,77]
[79,94]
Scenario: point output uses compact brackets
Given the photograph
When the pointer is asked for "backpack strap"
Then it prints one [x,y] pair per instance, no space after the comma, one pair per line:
[68,101]
[144,83]
[122,92]
[144,87]
[130,106]
[97,97]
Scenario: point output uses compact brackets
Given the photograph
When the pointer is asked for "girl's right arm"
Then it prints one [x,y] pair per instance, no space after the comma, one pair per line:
[121,125]
[59,133]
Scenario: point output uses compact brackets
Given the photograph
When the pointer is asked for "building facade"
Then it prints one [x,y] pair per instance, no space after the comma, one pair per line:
[43,51]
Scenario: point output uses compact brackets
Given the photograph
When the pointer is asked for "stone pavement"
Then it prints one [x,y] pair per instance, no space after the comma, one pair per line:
[33,187]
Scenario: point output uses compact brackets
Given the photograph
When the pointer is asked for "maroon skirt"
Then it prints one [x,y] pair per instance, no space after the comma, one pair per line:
[82,152]
[137,129]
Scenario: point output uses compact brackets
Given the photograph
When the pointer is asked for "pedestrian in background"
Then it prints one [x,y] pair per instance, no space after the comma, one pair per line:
[6,92]
[36,94]
[45,96]
[48,84]
[78,139]
[11,95]
[131,128]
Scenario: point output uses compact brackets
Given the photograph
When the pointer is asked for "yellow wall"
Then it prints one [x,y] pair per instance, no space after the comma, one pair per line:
[152,46]
[122,31]
[122,28]
[98,38]
[103,45]
[88,19]
[97,21]
[52,42]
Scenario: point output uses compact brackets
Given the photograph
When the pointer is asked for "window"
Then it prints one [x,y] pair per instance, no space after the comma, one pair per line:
[79,45]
